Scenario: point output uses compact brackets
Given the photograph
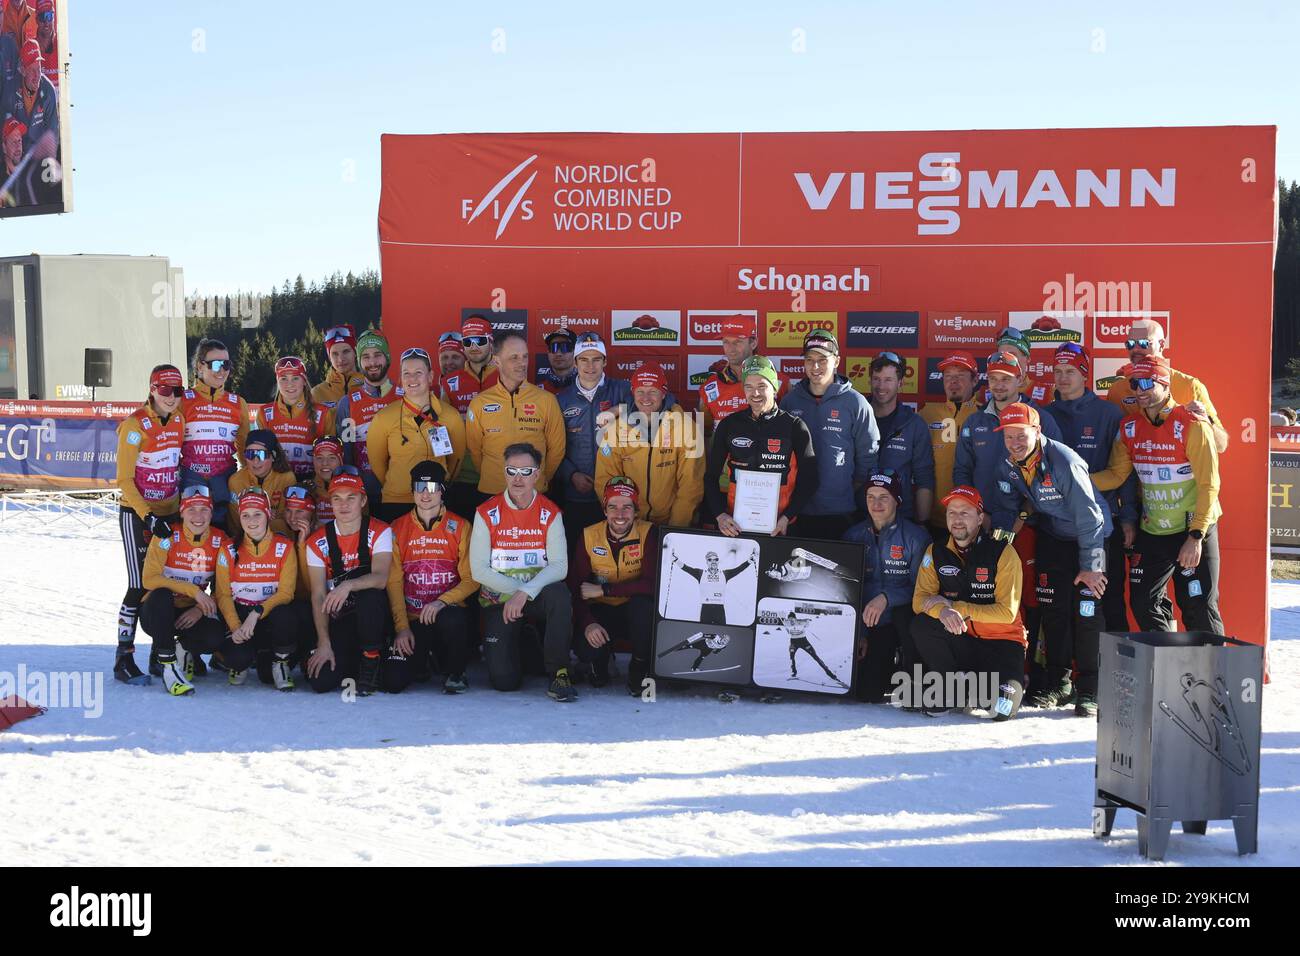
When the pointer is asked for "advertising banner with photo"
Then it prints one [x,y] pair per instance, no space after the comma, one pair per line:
[65,446]
[919,243]
[772,612]
[34,108]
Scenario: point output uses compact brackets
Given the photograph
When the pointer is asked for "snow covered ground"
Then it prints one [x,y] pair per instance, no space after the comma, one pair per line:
[246,775]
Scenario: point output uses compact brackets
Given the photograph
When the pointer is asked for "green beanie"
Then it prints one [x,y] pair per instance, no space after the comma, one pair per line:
[371,339]
[760,365]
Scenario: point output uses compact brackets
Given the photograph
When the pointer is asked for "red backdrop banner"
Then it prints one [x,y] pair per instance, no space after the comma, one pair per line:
[910,241]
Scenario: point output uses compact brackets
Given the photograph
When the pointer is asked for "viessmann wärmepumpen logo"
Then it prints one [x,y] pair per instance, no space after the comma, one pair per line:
[940,188]
[599,197]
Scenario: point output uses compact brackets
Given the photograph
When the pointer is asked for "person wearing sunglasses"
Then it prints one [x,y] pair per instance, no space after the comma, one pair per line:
[590,399]
[519,556]
[47,36]
[459,389]
[722,393]
[416,427]
[1147,338]
[451,354]
[216,425]
[358,408]
[904,438]
[149,479]
[264,468]
[1177,463]
[348,560]
[844,433]
[961,377]
[342,377]
[612,580]
[1072,523]
[256,579]
[511,411]
[178,573]
[659,447]
[294,416]
[429,581]
[560,345]
[1089,426]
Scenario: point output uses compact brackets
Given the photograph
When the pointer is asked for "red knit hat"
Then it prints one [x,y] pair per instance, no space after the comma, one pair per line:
[963,493]
[1018,413]
[650,375]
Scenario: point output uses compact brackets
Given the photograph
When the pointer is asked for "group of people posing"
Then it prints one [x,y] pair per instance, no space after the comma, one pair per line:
[380,532]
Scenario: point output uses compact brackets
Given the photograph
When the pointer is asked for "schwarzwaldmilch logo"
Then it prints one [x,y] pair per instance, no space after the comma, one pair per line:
[491,202]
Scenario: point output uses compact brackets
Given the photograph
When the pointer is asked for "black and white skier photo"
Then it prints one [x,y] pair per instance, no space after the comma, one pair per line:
[708,578]
[714,654]
[804,645]
[815,570]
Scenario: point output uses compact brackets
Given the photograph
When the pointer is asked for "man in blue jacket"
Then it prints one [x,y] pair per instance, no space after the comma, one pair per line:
[904,437]
[582,404]
[893,549]
[1073,523]
[1089,425]
[844,435]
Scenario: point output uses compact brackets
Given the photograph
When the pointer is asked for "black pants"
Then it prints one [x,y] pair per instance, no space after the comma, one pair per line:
[948,654]
[632,619]
[277,633]
[1071,614]
[578,516]
[1114,607]
[134,547]
[359,631]
[713,614]
[388,513]
[208,635]
[551,609]
[1196,590]
[889,649]
[462,498]
[821,527]
[447,639]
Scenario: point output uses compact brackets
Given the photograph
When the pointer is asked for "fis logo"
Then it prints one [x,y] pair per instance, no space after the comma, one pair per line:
[469,210]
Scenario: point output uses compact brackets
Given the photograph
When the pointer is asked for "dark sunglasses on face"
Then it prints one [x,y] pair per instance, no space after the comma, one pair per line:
[296,491]
[257,454]
[1142,384]
[563,346]
[218,365]
[476,341]
[1137,343]
[432,487]
[517,471]
[169,391]
[47,17]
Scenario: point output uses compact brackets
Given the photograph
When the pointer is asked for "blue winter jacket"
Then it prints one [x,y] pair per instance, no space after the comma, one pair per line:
[905,447]
[892,558]
[1090,425]
[581,432]
[845,438]
[981,454]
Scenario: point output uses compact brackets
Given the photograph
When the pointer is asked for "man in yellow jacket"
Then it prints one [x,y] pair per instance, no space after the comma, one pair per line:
[513,410]
[417,427]
[660,450]
[960,378]
[343,377]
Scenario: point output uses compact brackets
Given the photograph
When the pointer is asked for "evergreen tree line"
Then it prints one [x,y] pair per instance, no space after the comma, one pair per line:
[295,316]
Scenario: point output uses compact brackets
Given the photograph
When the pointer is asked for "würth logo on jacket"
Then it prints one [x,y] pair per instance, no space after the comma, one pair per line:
[981,575]
[774,445]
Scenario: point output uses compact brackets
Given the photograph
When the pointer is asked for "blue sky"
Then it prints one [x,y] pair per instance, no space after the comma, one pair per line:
[242,138]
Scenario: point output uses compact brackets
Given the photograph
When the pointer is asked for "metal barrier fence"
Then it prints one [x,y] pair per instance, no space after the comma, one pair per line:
[89,514]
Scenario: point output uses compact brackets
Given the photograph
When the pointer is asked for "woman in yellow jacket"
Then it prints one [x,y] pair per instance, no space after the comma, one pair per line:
[265,467]
[148,476]
[668,469]
[419,427]
[294,415]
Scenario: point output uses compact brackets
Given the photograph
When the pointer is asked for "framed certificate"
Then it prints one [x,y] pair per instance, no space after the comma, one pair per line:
[757,496]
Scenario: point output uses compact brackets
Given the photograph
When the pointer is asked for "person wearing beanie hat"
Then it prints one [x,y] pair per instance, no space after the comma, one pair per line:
[967,617]
[612,579]
[178,573]
[763,439]
[1089,426]
[257,576]
[358,407]
[458,389]
[451,354]
[1176,460]
[904,439]
[294,415]
[961,375]
[264,468]
[429,581]
[33,103]
[1049,479]
[659,447]
[892,548]
[342,377]
[722,393]
[348,560]
[1147,338]
[326,460]
[561,372]
[844,434]
[587,405]
[148,479]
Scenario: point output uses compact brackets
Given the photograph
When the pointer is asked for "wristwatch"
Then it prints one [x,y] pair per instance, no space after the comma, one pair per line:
[1196,535]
